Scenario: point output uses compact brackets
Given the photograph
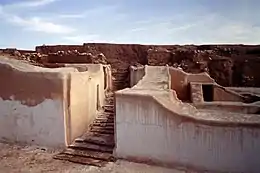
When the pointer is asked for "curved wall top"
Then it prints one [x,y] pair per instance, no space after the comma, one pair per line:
[158,84]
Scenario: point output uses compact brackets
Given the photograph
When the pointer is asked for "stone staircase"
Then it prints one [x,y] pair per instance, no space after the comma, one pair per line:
[96,146]
[121,79]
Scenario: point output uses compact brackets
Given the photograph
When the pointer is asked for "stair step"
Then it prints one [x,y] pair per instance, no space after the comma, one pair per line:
[109,110]
[103,120]
[90,146]
[107,140]
[91,154]
[100,117]
[109,119]
[119,73]
[106,114]
[109,106]
[118,82]
[81,160]
[102,131]
[102,124]
[102,128]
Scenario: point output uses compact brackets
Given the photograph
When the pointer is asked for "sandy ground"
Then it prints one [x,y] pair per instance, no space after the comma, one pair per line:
[24,159]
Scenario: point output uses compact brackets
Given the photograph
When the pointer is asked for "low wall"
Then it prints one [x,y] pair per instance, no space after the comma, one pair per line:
[47,107]
[153,125]
[31,105]
[222,94]
[238,107]
[136,74]
[219,93]
[149,128]
[180,81]
[86,98]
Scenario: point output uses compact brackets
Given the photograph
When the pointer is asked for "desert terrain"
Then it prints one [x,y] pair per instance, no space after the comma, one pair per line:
[229,65]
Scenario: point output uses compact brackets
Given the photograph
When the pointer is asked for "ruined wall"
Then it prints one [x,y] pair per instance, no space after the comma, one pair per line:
[219,93]
[159,57]
[180,82]
[69,59]
[48,107]
[31,105]
[136,74]
[55,48]
[235,107]
[153,125]
[229,65]
[147,132]
[222,94]
[222,71]
[86,97]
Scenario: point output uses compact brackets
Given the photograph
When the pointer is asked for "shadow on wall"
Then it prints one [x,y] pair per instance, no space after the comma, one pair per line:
[48,107]
[152,125]
[86,96]
[180,82]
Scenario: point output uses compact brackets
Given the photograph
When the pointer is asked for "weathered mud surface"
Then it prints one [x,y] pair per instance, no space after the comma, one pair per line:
[25,159]
[229,65]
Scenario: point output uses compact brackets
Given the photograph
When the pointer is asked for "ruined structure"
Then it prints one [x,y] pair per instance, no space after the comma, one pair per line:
[173,105]
[49,107]
[175,118]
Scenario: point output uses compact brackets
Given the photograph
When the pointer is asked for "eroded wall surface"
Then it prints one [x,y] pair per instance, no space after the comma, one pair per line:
[153,125]
[48,107]
[31,104]
[136,74]
[148,132]
[180,82]
[86,97]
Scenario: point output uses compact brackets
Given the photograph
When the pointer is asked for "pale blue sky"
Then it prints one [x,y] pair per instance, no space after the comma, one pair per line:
[26,23]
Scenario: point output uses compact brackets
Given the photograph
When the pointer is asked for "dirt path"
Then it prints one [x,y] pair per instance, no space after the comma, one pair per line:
[24,159]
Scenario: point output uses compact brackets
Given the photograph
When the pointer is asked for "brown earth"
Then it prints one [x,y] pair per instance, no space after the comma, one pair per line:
[26,159]
[229,65]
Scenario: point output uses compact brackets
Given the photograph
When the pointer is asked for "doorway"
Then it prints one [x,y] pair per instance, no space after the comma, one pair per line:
[98,100]
[207,92]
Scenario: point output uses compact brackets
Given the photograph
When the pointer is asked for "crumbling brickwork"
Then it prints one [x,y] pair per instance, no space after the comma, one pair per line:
[159,57]
[239,69]
[222,71]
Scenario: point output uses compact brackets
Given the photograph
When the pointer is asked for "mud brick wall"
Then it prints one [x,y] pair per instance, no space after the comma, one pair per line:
[251,73]
[222,71]
[69,59]
[240,71]
[56,48]
[156,57]
[120,55]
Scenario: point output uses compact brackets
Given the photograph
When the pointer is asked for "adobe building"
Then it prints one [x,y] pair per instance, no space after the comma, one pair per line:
[166,116]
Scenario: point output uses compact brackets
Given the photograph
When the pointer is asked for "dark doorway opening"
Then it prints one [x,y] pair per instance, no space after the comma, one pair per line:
[98,101]
[207,93]
[105,77]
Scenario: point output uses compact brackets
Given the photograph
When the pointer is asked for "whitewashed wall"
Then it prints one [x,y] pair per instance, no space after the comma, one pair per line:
[145,131]
[42,124]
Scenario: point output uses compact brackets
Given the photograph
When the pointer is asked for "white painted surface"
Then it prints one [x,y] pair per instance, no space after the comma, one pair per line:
[146,130]
[42,124]
[136,74]
[156,77]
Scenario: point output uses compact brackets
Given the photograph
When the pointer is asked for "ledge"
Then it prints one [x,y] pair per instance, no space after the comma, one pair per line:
[169,101]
